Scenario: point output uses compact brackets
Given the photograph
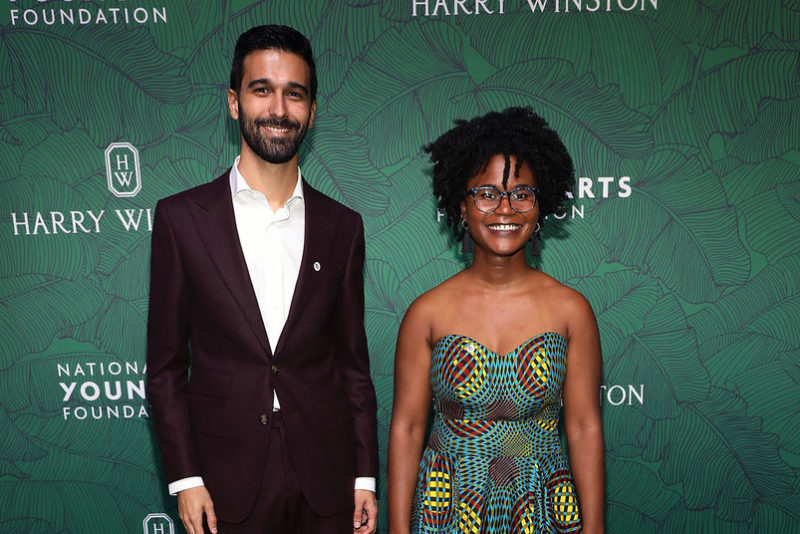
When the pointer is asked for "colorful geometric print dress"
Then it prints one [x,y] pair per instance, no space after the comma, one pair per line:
[494,463]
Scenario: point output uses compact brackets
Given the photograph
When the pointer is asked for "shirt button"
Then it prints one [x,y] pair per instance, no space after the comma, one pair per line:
[263,419]
[275,368]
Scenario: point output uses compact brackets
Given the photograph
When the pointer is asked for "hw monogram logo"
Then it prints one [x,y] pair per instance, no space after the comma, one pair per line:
[122,170]
[158,524]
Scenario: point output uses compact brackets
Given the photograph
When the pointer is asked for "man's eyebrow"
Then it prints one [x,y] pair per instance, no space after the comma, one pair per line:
[298,85]
[259,81]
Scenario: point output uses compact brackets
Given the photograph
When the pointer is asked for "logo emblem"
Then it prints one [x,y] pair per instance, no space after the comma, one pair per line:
[122,170]
[158,524]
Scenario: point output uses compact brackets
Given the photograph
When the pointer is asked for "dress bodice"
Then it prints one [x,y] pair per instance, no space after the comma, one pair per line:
[494,462]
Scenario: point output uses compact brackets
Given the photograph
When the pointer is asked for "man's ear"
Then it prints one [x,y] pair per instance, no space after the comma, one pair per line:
[313,114]
[233,104]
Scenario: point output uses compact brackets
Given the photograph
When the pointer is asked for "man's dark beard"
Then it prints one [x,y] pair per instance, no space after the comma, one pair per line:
[271,150]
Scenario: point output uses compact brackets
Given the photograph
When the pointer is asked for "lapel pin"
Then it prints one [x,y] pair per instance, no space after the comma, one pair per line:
[317,266]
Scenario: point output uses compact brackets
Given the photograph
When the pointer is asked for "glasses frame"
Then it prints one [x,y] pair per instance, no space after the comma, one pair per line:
[475,190]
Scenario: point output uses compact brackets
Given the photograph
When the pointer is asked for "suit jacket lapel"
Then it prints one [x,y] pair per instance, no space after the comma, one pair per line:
[318,240]
[213,215]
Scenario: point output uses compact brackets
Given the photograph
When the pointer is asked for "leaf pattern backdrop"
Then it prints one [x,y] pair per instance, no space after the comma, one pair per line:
[694,277]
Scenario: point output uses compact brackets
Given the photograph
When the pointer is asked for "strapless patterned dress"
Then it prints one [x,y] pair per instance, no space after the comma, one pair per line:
[494,462]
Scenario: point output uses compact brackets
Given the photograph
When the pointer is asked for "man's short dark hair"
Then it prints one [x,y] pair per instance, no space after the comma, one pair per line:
[273,37]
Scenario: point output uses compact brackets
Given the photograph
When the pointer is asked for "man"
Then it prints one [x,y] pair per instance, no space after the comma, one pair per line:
[257,365]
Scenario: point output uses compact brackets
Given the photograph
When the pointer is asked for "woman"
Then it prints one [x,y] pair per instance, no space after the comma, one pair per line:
[497,347]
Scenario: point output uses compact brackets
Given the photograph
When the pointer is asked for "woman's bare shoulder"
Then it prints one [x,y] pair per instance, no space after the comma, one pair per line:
[573,309]
[568,303]
[435,299]
[557,289]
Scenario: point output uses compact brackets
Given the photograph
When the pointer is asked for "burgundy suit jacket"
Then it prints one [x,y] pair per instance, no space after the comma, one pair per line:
[211,371]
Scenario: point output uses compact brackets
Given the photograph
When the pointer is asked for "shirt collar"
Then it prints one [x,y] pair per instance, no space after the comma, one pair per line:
[239,184]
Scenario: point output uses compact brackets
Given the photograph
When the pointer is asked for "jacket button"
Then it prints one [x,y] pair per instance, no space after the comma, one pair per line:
[275,368]
[263,419]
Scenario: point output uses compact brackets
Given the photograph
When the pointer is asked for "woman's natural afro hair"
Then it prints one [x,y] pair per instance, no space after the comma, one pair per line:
[465,150]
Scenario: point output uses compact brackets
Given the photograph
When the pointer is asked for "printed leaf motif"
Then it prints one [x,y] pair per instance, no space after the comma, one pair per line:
[620,299]
[24,133]
[770,135]
[737,179]
[744,362]
[775,284]
[381,327]
[129,65]
[411,188]
[15,526]
[418,88]
[52,502]
[337,163]
[383,390]
[691,241]
[625,431]
[570,249]
[780,321]
[778,515]
[382,318]
[780,417]
[44,308]
[204,18]
[349,27]
[774,234]
[172,175]
[78,256]
[61,157]
[118,329]
[720,455]
[725,98]
[601,46]
[660,353]
[16,446]
[686,519]
[128,280]
[724,358]
[594,121]
[380,285]
[400,237]
[587,116]
[626,505]
[749,24]
[205,123]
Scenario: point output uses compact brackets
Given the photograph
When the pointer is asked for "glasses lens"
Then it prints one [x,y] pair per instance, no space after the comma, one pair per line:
[522,199]
[487,199]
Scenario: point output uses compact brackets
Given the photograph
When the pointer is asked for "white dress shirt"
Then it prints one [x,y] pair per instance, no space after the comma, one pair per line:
[272,243]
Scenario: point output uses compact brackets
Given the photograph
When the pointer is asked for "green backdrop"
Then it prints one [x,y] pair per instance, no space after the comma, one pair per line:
[682,118]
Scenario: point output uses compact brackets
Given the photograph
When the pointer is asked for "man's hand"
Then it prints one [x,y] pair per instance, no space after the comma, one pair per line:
[192,503]
[365,517]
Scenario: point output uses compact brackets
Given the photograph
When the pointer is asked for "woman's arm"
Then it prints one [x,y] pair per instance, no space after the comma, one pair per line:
[412,399]
[581,396]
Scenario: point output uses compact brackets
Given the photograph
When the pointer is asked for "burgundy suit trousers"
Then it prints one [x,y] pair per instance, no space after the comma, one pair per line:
[281,507]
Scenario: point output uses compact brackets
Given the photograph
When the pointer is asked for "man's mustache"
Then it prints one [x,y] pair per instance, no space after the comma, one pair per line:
[277,123]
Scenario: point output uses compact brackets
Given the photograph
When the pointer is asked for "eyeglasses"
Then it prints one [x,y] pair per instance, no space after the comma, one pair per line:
[487,198]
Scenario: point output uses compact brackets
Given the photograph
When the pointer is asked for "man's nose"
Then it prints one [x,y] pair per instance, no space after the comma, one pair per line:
[278,107]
